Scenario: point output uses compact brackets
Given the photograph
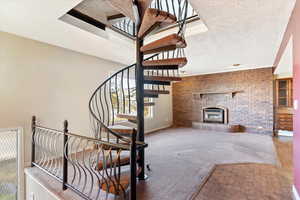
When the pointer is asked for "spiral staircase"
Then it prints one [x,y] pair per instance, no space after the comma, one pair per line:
[125,94]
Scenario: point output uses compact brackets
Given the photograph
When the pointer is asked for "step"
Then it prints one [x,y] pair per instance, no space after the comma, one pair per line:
[163,63]
[132,117]
[116,17]
[161,67]
[162,78]
[123,161]
[110,185]
[168,43]
[149,104]
[124,6]
[113,19]
[150,95]
[134,121]
[157,92]
[153,18]
[122,130]
[155,82]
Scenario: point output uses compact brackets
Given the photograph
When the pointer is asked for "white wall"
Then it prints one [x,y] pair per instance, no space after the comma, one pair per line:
[162,114]
[55,84]
[50,82]
[284,69]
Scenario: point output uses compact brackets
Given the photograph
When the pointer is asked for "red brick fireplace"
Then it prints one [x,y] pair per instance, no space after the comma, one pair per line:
[247,96]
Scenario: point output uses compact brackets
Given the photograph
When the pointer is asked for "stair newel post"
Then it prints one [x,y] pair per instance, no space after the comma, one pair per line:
[65,154]
[33,124]
[140,92]
[140,104]
[133,166]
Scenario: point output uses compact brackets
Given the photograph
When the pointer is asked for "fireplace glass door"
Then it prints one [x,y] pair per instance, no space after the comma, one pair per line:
[213,115]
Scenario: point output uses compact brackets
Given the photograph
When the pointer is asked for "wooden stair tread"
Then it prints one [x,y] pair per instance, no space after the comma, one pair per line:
[132,117]
[162,78]
[123,6]
[170,42]
[110,186]
[116,17]
[154,17]
[156,91]
[180,62]
[121,129]
[123,161]
[149,104]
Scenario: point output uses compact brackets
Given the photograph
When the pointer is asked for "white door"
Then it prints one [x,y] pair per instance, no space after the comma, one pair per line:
[9,164]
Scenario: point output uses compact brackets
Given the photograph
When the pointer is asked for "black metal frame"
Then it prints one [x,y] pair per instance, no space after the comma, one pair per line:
[140,102]
[39,134]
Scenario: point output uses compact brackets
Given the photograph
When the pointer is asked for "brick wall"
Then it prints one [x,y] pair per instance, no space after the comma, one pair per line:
[252,108]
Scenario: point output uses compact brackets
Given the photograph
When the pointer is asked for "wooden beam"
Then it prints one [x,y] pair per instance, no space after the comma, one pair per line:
[86,18]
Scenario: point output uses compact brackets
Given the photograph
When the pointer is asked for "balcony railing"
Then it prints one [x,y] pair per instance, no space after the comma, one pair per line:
[90,167]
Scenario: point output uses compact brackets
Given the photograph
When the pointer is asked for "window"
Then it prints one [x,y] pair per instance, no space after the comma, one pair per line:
[284,92]
[123,98]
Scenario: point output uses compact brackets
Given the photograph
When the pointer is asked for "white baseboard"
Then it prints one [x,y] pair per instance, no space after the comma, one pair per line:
[157,129]
[295,193]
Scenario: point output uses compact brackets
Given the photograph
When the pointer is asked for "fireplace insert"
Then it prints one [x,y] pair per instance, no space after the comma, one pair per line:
[214,115]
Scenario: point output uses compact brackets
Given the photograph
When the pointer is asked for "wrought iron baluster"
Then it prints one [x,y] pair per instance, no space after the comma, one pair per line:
[65,155]
[107,107]
[116,88]
[173,6]
[111,102]
[167,5]
[128,86]
[33,144]
[122,90]
[101,104]
[93,168]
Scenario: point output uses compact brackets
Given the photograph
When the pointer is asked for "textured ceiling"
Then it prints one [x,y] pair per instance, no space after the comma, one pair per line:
[246,32]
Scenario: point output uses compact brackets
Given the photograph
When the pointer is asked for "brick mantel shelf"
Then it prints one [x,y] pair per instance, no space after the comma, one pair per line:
[200,94]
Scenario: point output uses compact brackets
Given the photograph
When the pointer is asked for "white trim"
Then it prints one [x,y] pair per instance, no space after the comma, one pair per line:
[37,181]
[295,193]
[158,129]
[20,156]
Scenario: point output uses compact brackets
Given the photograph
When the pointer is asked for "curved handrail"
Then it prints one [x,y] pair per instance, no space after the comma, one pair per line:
[99,88]
[115,94]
